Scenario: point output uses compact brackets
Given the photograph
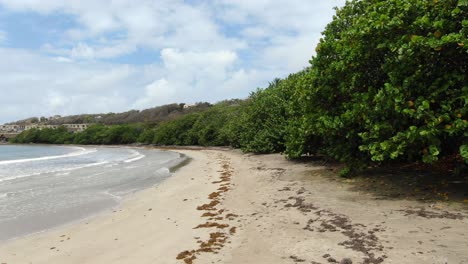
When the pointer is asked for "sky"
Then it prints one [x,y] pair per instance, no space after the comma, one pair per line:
[99,56]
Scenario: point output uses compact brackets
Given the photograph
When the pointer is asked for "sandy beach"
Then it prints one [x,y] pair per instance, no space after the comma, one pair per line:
[229,207]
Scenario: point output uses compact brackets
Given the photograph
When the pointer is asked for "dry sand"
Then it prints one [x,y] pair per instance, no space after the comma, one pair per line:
[226,207]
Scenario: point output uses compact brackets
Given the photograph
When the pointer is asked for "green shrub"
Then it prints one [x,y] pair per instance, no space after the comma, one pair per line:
[388,81]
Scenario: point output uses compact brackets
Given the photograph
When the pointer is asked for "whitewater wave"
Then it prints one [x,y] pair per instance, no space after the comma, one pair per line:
[53,171]
[163,171]
[136,156]
[81,151]
[63,173]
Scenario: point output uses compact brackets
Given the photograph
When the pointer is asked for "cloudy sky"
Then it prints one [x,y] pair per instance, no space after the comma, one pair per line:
[99,56]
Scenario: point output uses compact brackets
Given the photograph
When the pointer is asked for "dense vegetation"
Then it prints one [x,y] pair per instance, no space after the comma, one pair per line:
[388,83]
[151,115]
[207,128]
[95,134]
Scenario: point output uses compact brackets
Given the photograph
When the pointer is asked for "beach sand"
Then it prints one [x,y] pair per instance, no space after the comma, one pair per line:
[228,207]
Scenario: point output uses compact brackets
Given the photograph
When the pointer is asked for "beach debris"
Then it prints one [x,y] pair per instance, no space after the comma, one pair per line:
[346,261]
[187,256]
[297,259]
[208,206]
[231,216]
[422,212]
[301,205]
[359,237]
[214,195]
[211,224]
[223,189]
[209,214]
[218,239]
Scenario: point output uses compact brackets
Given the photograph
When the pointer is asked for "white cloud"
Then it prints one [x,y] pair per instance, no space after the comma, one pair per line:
[38,85]
[41,86]
[194,62]
[180,25]
[255,32]
[63,59]
[56,101]
[203,50]
[156,93]
[290,54]
[189,77]
[283,32]
[151,24]
[240,79]
[82,51]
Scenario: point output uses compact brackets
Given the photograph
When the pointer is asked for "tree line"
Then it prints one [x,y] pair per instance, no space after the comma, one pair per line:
[151,115]
[387,83]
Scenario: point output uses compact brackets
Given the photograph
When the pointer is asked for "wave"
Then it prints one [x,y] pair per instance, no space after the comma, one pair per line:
[163,171]
[80,152]
[53,171]
[137,156]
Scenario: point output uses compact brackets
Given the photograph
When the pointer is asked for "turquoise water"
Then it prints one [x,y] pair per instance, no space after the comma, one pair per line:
[45,186]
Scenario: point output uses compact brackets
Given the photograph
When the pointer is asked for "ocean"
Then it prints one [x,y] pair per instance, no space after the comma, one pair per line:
[42,187]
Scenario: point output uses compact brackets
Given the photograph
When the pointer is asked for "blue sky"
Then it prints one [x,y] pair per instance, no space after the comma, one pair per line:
[87,56]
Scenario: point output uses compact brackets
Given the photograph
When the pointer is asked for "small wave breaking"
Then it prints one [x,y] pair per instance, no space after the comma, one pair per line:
[53,171]
[136,156]
[81,151]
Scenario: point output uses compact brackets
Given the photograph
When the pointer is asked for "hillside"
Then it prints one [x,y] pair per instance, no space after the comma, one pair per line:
[152,115]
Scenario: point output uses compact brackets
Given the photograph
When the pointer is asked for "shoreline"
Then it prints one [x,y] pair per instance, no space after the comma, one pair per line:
[102,202]
[65,225]
[102,212]
[229,207]
[138,203]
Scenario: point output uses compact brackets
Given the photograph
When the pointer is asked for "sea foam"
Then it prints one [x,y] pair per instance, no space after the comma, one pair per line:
[80,152]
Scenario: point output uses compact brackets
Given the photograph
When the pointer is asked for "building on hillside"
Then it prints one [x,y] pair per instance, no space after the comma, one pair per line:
[76,127]
[21,128]
[27,127]
[12,128]
[189,105]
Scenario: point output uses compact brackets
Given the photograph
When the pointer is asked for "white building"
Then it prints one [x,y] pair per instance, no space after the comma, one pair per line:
[21,128]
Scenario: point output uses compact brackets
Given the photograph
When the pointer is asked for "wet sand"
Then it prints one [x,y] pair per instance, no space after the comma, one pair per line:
[227,207]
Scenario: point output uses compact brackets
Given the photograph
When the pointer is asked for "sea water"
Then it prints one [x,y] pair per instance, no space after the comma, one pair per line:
[45,186]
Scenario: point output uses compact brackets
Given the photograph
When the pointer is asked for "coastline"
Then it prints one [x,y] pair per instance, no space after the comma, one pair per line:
[142,210]
[102,197]
[229,207]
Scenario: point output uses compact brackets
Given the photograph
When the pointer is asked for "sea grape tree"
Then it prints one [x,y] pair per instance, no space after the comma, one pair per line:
[389,81]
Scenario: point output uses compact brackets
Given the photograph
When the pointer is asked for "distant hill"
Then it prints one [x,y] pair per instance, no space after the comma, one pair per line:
[151,115]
